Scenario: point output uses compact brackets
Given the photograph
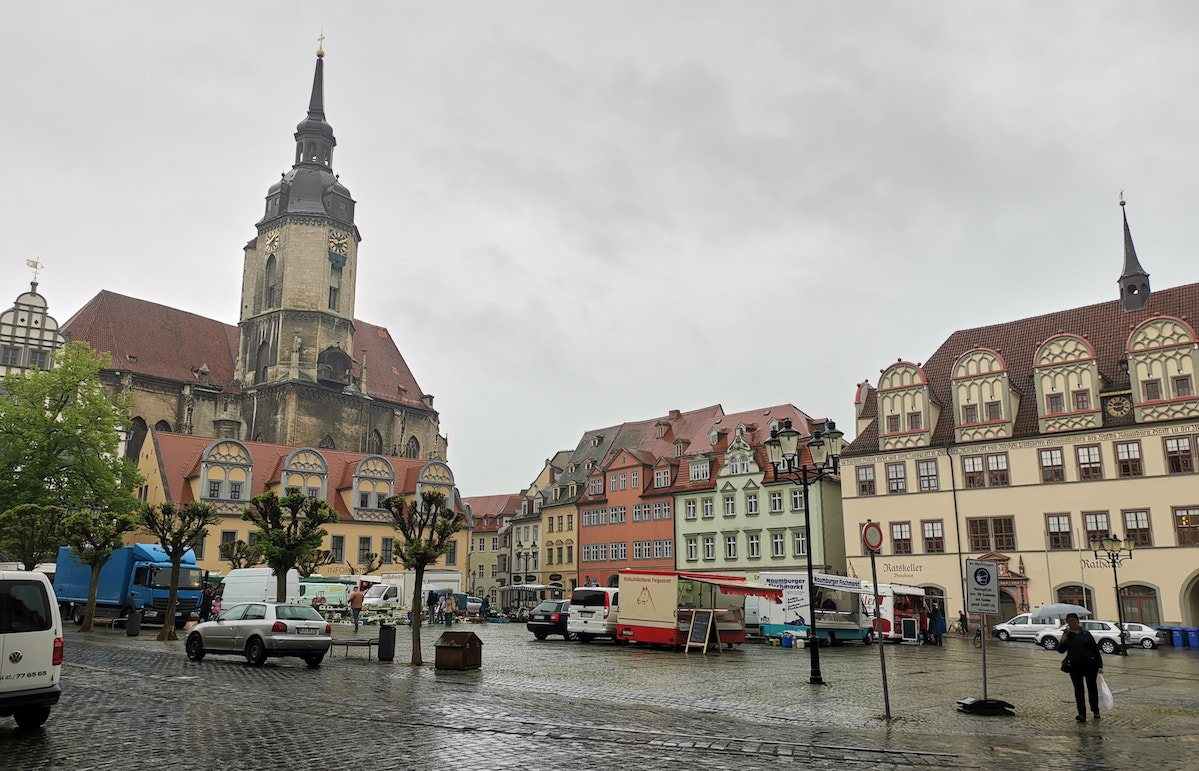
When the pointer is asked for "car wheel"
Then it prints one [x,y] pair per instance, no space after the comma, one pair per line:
[586,638]
[540,635]
[256,652]
[1107,646]
[313,660]
[77,615]
[1147,643]
[195,647]
[1003,635]
[1049,644]
[34,717]
[570,636]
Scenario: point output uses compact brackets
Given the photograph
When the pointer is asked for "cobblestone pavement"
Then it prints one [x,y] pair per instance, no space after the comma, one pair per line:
[133,703]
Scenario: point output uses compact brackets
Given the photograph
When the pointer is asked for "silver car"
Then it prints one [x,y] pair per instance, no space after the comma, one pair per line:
[258,630]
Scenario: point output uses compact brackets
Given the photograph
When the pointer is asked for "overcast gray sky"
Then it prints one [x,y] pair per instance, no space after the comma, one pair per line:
[580,213]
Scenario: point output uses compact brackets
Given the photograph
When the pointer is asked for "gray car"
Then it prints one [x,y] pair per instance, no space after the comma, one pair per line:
[259,630]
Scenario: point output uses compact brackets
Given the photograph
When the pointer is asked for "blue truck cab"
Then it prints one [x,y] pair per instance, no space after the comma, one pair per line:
[136,577]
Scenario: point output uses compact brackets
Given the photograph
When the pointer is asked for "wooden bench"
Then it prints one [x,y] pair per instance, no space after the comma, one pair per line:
[347,644]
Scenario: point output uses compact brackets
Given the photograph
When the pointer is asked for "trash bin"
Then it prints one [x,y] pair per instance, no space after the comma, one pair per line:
[1177,637]
[133,624]
[387,642]
[458,650]
[1193,637]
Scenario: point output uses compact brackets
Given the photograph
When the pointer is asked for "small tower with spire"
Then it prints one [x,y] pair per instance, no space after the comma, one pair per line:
[1134,281]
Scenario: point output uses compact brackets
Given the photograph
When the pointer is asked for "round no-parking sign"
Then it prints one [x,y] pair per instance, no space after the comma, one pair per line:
[872,536]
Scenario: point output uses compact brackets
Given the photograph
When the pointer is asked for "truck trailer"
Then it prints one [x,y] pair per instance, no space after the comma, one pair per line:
[136,577]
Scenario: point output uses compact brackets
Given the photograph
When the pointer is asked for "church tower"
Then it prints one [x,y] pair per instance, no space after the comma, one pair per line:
[297,297]
[1134,281]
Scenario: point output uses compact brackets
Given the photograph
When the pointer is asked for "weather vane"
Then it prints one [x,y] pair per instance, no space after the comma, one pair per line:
[37,266]
[320,45]
[1121,197]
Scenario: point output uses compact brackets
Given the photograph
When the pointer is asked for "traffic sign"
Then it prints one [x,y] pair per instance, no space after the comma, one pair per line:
[872,536]
[982,586]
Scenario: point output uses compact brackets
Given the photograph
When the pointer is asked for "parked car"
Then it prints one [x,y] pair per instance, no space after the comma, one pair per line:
[473,604]
[1106,633]
[549,618]
[1026,627]
[30,647]
[1143,635]
[259,630]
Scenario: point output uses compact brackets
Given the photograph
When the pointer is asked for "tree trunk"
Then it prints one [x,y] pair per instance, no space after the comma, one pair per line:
[281,585]
[92,590]
[168,625]
[418,606]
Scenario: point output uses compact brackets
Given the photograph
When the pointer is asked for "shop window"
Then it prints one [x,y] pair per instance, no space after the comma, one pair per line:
[1139,603]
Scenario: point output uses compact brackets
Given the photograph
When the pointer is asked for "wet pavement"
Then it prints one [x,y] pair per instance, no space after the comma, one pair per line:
[136,703]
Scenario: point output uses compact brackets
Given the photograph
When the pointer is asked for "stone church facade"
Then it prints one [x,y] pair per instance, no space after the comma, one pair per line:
[299,368]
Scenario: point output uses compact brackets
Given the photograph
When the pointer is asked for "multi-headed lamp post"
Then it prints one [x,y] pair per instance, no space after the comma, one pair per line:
[786,455]
[1112,550]
[526,556]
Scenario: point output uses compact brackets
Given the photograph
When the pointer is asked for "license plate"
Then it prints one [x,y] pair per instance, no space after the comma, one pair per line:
[586,612]
[539,618]
[306,630]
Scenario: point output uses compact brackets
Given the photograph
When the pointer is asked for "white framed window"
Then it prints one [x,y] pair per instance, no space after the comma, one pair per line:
[624,481]
[635,479]
[776,502]
[801,543]
[796,499]
[657,550]
[708,508]
[753,545]
[495,543]
[668,549]
[596,487]
[692,549]
[730,506]
[751,503]
[709,547]
[690,509]
[620,551]
[665,509]
[778,545]
[730,547]
[612,480]
[700,471]
[662,477]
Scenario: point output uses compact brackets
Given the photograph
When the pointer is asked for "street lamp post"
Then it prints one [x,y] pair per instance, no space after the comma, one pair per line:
[526,556]
[785,455]
[1113,551]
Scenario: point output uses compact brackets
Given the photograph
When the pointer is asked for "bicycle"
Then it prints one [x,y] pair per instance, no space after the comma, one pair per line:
[978,638]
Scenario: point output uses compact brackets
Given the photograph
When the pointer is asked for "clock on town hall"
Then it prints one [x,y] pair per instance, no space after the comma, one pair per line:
[339,247]
[1118,406]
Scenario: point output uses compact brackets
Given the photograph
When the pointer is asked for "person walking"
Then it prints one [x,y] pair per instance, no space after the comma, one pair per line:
[206,603]
[451,607]
[431,601]
[355,603]
[1084,663]
[936,625]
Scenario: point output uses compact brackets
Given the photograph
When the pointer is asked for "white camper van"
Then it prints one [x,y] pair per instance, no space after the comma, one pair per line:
[257,585]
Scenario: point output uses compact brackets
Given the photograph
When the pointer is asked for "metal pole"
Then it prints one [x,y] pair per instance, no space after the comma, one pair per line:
[983,633]
[1114,558]
[878,626]
[814,677]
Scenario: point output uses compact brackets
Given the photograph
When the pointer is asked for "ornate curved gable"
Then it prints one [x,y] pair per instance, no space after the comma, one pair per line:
[374,480]
[984,405]
[437,475]
[1163,357]
[226,472]
[905,410]
[1067,381]
[305,470]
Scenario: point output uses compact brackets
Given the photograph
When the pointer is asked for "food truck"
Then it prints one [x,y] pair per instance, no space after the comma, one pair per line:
[656,605]
[840,610]
[901,611]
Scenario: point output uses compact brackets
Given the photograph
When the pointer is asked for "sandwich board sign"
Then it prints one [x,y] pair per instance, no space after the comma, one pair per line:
[982,587]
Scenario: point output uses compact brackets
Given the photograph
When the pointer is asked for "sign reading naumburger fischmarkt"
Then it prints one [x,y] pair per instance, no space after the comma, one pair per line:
[982,586]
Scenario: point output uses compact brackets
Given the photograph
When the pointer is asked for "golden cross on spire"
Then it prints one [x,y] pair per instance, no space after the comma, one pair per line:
[320,45]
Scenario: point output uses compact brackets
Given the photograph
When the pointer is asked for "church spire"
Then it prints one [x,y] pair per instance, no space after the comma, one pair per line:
[1134,281]
[314,135]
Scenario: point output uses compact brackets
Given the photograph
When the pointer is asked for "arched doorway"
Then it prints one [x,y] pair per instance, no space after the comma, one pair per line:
[137,435]
[1190,601]
[1139,603]
[1076,594]
[1007,605]
[935,597]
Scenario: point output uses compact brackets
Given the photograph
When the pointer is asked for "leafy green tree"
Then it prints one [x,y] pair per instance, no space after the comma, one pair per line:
[59,437]
[177,529]
[426,528]
[31,534]
[240,554]
[314,562]
[289,529]
[93,536]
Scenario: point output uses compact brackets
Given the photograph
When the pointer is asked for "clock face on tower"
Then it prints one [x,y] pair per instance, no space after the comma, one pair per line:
[272,242]
[339,247]
[1118,406]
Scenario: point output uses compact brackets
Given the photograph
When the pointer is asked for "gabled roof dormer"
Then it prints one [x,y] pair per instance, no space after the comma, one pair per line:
[1163,356]
[905,409]
[1067,381]
[984,404]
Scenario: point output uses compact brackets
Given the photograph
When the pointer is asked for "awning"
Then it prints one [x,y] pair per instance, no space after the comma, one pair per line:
[733,586]
[530,587]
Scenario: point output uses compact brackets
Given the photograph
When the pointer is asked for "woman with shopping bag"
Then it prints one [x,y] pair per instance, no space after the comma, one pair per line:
[1084,663]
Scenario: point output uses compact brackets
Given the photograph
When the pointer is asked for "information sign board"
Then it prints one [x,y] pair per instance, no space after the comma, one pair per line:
[982,586]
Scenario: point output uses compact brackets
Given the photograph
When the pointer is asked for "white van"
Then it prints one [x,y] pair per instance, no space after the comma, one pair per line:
[257,585]
[593,612]
[385,594]
[30,647]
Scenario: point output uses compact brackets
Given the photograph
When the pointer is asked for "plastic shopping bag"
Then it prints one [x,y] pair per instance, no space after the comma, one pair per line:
[1105,693]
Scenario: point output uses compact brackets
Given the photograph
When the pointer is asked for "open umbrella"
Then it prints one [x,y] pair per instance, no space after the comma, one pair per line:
[1060,610]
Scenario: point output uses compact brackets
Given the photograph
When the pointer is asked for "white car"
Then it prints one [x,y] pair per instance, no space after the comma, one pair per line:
[31,645]
[1143,635]
[1106,633]
[1026,627]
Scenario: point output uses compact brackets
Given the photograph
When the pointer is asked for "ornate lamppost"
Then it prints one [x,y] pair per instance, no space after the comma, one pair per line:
[526,556]
[1113,551]
[785,454]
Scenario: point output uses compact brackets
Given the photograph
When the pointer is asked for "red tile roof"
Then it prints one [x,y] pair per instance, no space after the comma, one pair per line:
[159,341]
[1105,325]
[487,509]
[180,456]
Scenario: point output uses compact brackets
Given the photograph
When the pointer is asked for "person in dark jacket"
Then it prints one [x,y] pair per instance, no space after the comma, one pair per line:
[206,604]
[1084,663]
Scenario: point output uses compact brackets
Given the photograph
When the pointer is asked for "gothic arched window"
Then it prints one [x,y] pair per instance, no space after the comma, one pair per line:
[374,442]
[327,443]
[412,449]
[137,435]
[162,425]
[271,283]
